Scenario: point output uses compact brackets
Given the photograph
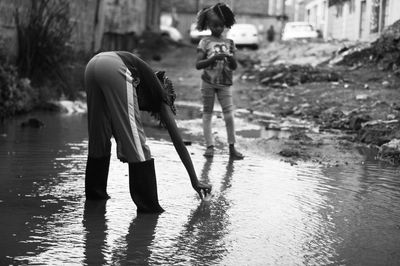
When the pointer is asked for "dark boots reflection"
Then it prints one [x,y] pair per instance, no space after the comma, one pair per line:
[96,231]
[143,187]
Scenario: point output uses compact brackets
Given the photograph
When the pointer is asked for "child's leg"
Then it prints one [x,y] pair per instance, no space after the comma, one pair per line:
[208,94]
[99,124]
[100,132]
[226,101]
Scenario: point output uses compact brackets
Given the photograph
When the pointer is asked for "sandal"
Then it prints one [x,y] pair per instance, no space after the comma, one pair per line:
[234,154]
[209,152]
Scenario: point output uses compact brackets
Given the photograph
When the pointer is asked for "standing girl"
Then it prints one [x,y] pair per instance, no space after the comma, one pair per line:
[216,56]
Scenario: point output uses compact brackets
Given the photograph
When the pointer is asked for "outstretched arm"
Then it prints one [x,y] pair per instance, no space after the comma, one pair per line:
[169,121]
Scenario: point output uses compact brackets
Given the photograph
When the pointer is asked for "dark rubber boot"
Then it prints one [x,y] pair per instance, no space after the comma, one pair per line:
[96,178]
[143,187]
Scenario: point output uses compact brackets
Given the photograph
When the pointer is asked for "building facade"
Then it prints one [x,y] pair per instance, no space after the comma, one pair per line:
[353,20]
[92,21]
[262,13]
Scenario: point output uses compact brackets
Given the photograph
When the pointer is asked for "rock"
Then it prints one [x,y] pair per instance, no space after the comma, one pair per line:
[362,97]
[300,136]
[356,121]
[385,83]
[33,123]
[289,153]
[390,151]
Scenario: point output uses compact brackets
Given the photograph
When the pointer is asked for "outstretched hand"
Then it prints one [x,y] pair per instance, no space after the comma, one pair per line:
[202,189]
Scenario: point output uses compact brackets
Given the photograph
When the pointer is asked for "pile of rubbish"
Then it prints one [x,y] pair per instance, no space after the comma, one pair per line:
[385,51]
[289,63]
[289,75]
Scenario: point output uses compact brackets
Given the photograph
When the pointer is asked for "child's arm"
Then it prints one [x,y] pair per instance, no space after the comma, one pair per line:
[169,121]
[203,62]
[231,58]
[232,61]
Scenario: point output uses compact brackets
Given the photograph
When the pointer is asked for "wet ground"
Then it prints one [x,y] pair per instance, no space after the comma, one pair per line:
[262,211]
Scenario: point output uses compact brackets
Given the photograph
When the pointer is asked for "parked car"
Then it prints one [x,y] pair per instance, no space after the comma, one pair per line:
[196,35]
[244,35]
[171,32]
[298,30]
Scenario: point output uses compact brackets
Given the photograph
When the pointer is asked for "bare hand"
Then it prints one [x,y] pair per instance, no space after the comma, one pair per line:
[202,189]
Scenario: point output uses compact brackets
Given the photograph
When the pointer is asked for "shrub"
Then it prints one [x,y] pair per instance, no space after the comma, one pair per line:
[16,94]
[44,31]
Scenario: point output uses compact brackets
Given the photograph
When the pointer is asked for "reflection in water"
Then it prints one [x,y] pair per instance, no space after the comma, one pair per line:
[136,247]
[94,223]
[202,238]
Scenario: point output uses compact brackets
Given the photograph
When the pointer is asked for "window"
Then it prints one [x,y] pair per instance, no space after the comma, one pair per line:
[385,14]
[374,28]
[339,10]
[352,6]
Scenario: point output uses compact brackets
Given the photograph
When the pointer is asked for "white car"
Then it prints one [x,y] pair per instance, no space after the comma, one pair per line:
[171,32]
[196,35]
[244,35]
[298,30]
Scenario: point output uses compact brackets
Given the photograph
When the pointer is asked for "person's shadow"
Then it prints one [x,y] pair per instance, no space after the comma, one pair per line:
[135,247]
[94,223]
[203,233]
[133,250]
[139,239]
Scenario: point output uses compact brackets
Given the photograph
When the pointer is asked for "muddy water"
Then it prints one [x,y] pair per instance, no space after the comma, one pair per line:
[262,211]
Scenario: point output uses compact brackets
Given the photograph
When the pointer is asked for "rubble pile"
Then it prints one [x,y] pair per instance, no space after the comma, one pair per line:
[387,47]
[385,51]
[289,75]
[390,152]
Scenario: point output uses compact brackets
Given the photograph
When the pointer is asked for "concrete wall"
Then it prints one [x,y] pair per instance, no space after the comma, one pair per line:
[344,25]
[8,33]
[125,16]
[82,19]
[90,19]
[394,14]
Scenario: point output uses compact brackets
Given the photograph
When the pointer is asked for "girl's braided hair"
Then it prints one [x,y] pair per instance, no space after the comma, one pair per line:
[221,10]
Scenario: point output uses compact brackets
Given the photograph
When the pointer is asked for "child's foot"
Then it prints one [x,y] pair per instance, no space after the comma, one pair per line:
[209,152]
[234,154]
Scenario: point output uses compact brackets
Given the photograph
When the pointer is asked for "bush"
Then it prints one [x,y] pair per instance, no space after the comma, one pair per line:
[16,94]
[44,30]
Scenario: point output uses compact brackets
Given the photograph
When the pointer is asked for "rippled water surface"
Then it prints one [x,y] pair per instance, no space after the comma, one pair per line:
[262,211]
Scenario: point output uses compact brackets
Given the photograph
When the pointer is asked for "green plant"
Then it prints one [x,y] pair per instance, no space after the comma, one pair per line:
[16,94]
[44,30]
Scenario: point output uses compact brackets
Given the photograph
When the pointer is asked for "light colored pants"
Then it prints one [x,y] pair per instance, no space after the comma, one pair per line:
[113,110]
[224,95]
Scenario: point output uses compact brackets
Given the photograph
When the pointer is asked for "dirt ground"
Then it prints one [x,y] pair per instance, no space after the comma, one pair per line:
[335,111]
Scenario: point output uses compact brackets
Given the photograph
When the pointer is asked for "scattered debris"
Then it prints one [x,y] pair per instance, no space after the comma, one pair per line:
[289,153]
[385,51]
[289,75]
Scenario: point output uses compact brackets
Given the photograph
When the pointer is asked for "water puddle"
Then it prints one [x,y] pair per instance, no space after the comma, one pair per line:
[262,211]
